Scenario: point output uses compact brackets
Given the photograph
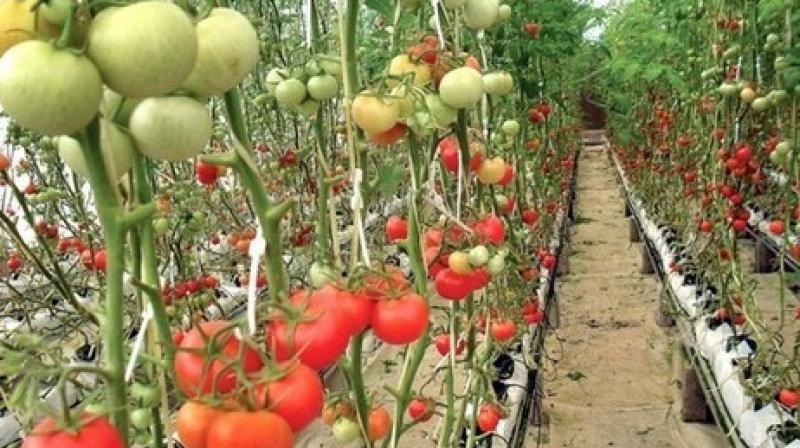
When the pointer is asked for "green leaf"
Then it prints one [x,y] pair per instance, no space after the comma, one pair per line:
[383,7]
[389,179]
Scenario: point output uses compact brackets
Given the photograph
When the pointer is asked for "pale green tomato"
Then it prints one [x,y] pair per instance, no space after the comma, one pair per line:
[498,83]
[511,128]
[497,264]
[728,89]
[760,104]
[442,114]
[275,77]
[781,63]
[172,128]
[454,4]
[308,107]
[478,256]
[461,88]
[227,52]
[777,96]
[116,107]
[503,13]
[480,14]
[331,65]
[115,145]
[290,92]
[145,49]
[322,87]
[50,91]
[55,11]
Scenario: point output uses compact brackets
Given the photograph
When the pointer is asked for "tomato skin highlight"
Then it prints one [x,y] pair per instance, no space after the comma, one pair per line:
[402,320]
[95,432]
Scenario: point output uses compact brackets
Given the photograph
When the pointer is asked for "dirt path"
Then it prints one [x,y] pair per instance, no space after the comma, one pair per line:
[614,380]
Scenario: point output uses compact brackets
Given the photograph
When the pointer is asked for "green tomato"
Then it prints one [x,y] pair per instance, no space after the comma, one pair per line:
[777,96]
[141,418]
[98,408]
[480,14]
[773,39]
[308,107]
[116,107]
[511,128]
[442,114]
[275,77]
[290,92]
[145,49]
[346,430]
[461,88]
[498,83]
[497,264]
[760,104]
[322,87]
[50,91]
[478,255]
[781,63]
[728,89]
[55,11]
[171,128]
[503,13]
[227,52]
[115,145]
[331,65]
[160,226]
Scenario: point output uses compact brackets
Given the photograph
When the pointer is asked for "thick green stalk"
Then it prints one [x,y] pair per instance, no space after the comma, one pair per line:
[110,212]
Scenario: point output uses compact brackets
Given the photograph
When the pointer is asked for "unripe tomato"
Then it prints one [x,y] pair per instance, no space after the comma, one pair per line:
[346,430]
[459,263]
[461,88]
[373,114]
[171,128]
[145,49]
[51,91]
[228,49]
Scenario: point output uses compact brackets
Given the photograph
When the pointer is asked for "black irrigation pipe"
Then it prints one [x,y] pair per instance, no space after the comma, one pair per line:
[700,365]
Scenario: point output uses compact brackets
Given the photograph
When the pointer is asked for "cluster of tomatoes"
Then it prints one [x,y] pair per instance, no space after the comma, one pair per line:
[279,386]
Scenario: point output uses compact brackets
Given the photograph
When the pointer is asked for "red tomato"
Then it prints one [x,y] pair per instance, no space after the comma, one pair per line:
[298,396]
[95,432]
[240,429]
[195,373]
[396,228]
[788,397]
[380,285]
[210,281]
[777,227]
[320,337]
[206,173]
[400,321]
[378,424]
[491,230]
[87,259]
[508,175]
[193,421]
[479,278]
[5,162]
[530,217]
[453,286]
[504,329]
[432,238]
[390,136]
[442,343]
[13,264]
[488,417]
[357,308]
[420,409]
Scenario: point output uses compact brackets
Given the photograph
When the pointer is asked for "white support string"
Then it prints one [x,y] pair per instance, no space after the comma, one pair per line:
[147,316]
[357,205]
[459,184]
[437,20]
[306,12]
[256,250]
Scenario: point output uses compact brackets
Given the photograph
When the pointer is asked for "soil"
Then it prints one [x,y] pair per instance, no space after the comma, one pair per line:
[612,376]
